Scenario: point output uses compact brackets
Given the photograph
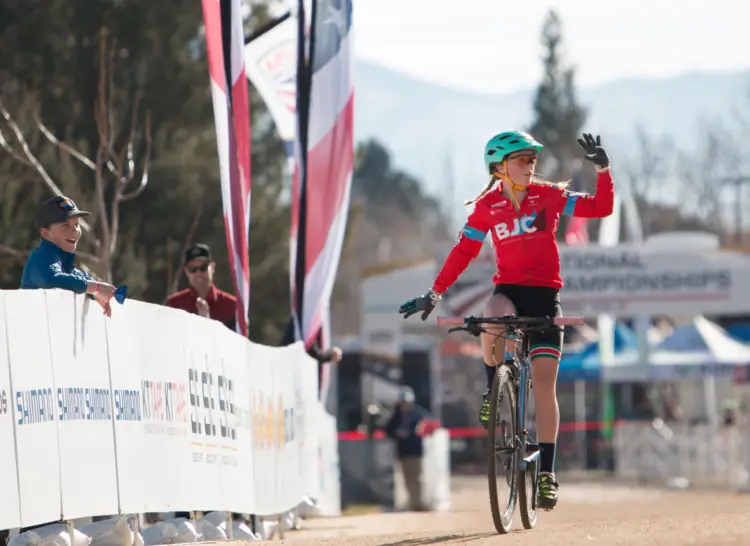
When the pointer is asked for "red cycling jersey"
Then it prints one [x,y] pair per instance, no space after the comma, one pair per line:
[525,241]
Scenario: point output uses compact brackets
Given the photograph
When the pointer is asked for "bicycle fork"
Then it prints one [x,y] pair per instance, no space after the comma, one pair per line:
[528,459]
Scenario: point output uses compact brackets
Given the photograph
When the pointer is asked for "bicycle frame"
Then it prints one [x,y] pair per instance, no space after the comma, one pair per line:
[523,367]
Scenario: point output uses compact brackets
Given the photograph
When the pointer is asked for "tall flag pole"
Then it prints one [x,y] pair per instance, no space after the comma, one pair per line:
[224,44]
[299,174]
[324,152]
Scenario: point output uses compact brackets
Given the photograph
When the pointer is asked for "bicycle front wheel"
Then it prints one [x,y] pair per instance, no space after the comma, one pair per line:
[527,479]
[502,452]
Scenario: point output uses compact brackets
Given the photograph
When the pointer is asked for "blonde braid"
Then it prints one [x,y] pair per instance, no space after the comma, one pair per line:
[485,191]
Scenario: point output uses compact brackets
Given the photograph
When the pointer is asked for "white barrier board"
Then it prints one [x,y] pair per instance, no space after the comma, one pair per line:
[305,425]
[329,471]
[165,417]
[34,407]
[131,445]
[83,406]
[203,433]
[10,507]
[286,442]
[264,456]
[236,465]
[151,410]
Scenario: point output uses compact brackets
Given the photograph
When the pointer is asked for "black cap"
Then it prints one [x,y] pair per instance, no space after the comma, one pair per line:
[56,210]
[197,251]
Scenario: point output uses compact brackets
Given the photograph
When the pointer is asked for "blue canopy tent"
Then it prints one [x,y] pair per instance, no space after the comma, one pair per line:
[741,331]
[584,365]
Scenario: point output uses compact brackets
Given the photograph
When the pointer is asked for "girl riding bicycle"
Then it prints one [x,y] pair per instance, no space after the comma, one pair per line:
[522,214]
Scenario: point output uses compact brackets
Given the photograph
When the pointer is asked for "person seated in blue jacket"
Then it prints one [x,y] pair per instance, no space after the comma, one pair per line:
[52,263]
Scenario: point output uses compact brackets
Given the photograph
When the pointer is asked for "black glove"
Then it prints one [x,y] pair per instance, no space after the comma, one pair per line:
[424,303]
[594,151]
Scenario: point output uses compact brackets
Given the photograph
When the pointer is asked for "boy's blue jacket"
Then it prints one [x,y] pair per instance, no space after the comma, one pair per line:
[51,267]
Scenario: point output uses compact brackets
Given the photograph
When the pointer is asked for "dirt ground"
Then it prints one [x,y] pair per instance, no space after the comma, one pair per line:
[588,513]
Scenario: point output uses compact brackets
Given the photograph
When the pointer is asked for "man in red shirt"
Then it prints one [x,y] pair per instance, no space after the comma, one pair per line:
[202,297]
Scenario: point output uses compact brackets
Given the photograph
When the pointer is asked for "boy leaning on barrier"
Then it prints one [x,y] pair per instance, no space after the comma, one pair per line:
[52,263]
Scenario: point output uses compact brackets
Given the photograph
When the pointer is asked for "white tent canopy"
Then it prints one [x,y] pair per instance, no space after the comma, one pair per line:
[697,349]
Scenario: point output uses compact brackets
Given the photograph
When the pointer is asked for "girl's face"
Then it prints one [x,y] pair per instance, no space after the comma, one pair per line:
[520,167]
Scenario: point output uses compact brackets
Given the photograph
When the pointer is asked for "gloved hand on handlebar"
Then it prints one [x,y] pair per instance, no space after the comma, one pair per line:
[424,303]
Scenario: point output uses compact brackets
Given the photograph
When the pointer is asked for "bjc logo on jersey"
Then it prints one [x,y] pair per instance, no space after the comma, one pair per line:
[522,225]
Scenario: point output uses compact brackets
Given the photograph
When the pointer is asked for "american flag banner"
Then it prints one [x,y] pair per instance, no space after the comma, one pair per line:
[225,44]
[324,153]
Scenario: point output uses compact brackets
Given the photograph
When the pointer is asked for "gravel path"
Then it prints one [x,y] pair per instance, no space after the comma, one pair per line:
[587,514]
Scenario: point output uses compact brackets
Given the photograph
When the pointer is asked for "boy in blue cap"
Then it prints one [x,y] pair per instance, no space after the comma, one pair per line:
[52,264]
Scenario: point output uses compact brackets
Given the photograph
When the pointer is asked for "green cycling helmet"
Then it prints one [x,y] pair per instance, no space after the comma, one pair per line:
[499,146]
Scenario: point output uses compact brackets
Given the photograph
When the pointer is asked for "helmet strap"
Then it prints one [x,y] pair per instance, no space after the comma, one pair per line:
[511,185]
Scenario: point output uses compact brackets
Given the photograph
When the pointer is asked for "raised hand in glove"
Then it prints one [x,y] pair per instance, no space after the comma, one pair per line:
[424,303]
[594,151]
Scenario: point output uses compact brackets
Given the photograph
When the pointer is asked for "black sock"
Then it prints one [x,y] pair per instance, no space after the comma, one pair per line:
[547,457]
[490,371]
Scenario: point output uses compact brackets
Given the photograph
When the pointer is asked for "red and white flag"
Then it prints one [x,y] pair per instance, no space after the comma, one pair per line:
[576,232]
[324,153]
[225,44]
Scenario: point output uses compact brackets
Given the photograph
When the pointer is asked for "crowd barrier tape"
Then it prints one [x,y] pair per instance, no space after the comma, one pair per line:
[151,410]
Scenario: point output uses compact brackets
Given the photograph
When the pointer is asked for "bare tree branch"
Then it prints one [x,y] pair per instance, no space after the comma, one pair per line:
[5,249]
[133,126]
[9,149]
[32,159]
[64,147]
[110,90]
[146,164]
[89,257]
[102,119]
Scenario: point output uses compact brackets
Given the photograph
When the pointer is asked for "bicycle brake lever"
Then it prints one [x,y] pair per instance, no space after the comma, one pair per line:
[456,329]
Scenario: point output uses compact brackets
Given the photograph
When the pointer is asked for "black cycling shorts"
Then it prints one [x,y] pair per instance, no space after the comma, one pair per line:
[537,301]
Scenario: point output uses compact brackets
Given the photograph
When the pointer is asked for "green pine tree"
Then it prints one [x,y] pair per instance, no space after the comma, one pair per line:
[559,118]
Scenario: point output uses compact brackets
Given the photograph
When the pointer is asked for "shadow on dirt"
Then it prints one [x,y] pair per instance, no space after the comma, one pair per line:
[445,539]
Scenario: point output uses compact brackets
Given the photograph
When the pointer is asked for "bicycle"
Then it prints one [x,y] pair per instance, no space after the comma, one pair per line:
[519,452]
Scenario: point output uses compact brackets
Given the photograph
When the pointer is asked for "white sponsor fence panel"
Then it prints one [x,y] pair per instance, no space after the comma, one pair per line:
[10,506]
[157,336]
[83,406]
[237,468]
[204,431]
[134,447]
[289,483]
[263,461]
[305,426]
[329,471]
[34,408]
[151,410]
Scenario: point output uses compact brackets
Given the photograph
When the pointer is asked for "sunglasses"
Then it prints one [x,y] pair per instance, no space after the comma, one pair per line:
[196,268]
[528,159]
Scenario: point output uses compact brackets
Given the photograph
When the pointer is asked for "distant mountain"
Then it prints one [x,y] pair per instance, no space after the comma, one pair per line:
[419,121]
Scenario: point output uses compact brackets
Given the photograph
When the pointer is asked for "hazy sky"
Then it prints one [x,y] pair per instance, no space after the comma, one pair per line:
[465,43]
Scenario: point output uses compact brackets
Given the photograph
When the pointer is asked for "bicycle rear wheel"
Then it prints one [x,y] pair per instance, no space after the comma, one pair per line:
[527,479]
[502,452]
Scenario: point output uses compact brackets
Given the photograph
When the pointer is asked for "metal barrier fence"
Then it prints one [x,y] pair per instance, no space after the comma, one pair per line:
[708,455]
